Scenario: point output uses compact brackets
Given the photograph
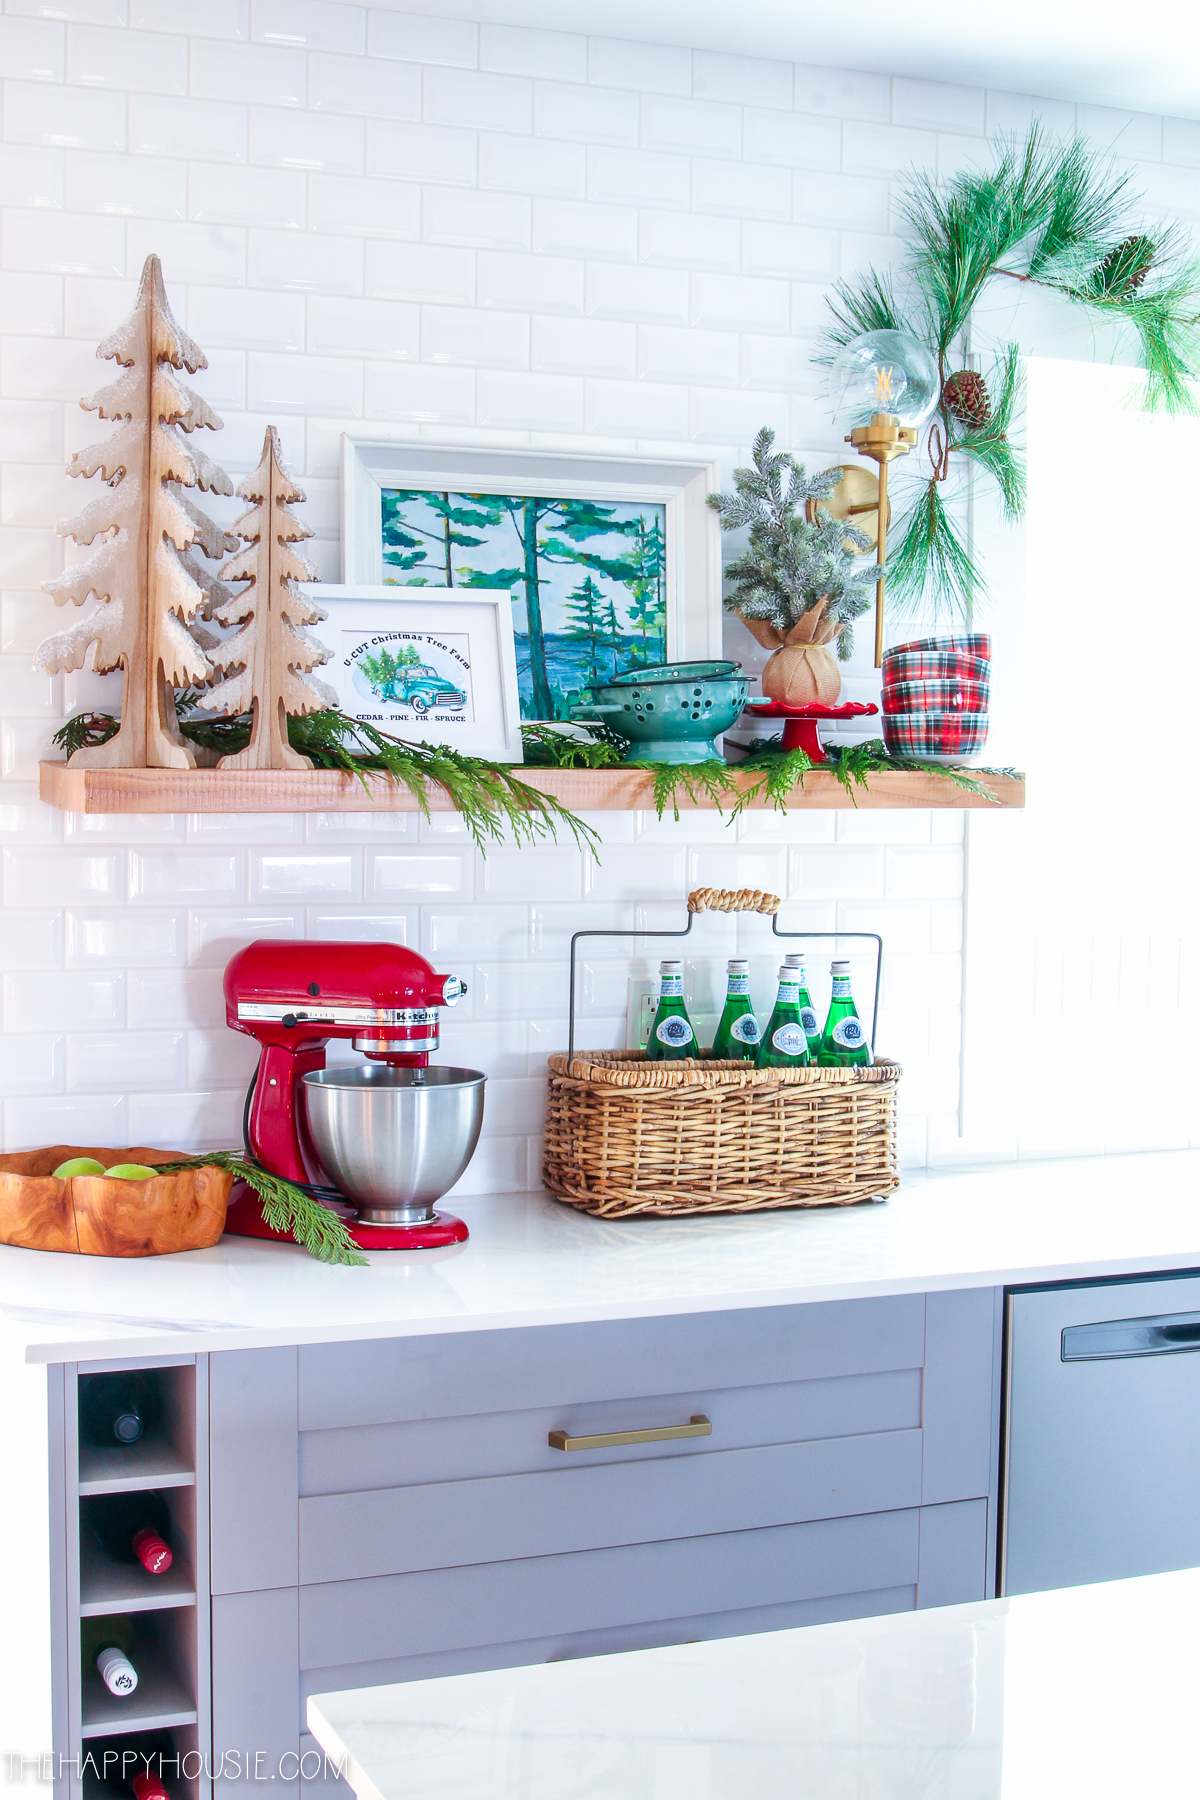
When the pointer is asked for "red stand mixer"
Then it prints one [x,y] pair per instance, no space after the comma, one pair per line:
[390,1136]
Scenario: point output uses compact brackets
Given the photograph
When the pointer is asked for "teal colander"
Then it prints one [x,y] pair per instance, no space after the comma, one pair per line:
[671,712]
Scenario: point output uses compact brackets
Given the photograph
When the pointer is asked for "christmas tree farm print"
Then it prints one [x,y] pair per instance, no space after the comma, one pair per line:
[588,580]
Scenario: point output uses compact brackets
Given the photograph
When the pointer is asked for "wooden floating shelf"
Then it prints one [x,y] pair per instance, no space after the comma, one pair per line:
[583,790]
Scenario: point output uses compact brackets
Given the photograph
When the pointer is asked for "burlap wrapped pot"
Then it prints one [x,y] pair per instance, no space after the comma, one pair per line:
[804,669]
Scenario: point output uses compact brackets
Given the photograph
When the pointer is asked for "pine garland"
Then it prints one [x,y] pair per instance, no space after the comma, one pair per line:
[1049,214]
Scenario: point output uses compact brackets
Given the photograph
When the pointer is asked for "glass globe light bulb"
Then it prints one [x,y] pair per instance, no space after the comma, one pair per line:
[884,372]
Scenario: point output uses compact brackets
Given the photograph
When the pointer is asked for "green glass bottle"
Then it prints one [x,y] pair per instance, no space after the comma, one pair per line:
[808,1012]
[844,1043]
[785,1045]
[671,1036]
[738,1034]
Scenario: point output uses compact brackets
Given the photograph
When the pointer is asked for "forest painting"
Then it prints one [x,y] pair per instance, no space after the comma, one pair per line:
[588,581]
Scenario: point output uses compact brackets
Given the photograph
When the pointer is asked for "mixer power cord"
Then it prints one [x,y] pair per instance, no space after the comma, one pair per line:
[314,1190]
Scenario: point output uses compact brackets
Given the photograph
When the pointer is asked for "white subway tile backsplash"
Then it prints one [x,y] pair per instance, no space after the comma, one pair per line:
[430,272]
[481,101]
[409,875]
[173,876]
[262,74]
[747,80]
[396,925]
[305,875]
[169,997]
[551,284]
[32,49]
[122,940]
[215,933]
[839,873]
[887,149]
[62,1000]
[31,1065]
[312,24]
[217,1059]
[422,38]
[740,303]
[487,221]
[637,872]
[273,197]
[648,68]
[354,84]
[38,113]
[423,394]
[638,177]
[304,384]
[376,328]
[30,305]
[704,127]
[470,931]
[933,873]
[559,55]
[658,296]
[146,1059]
[31,176]
[583,347]
[685,354]
[1181,141]
[676,239]
[31,940]
[31,1123]
[583,229]
[217,18]
[736,418]
[524,165]
[640,409]
[723,187]
[141,62]
[793,139]
[201,130]
[205,1121]
[98,183]
[53,877]
[198,251]
[520,990]
[937,103]
[841,200]
[1122,133]
[525,402]
[460,334]
[592,115]
[257,321]
[842,93]
[69,243]
[307,261]
[364,208]
[295,140]
[794,251]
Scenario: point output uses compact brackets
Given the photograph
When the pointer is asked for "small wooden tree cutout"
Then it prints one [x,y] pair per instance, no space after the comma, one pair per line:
[147,586]
[272,652]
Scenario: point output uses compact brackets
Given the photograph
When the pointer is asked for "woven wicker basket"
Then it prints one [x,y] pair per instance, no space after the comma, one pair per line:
[625,1135]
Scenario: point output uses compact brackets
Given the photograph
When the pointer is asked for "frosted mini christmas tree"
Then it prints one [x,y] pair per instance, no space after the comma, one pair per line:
[146,585]
[272,652]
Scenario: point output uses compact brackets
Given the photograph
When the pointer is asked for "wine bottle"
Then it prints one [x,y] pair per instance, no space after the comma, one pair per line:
[117,1409]
[134,1528]
[108,1645]
[808,1015]
[130,1765]
[844,1043]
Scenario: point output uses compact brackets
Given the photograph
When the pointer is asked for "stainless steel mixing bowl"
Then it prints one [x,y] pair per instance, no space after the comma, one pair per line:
[393,1140]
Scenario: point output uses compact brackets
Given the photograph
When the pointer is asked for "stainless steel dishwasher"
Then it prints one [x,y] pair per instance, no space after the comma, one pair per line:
[1102,1432]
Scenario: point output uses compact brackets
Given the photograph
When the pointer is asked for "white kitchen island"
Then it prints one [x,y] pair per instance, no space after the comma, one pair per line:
[365,1492]
[1083,1694]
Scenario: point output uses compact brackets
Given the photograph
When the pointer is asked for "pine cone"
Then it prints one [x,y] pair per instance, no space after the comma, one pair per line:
[1125,267]
[967,397]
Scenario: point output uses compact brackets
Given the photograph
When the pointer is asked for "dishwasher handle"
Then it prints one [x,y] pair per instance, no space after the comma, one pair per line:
[1166,1335]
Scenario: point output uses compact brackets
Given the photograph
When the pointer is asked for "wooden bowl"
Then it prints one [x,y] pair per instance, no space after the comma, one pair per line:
[95,1216]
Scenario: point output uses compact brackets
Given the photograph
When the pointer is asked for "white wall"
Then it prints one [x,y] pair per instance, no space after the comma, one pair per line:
[369,216]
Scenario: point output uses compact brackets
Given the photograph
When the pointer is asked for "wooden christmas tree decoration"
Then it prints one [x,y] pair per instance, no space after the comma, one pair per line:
[147,586]
[272,652]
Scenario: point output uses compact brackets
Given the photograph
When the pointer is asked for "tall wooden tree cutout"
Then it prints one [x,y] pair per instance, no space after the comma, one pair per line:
[272,652]
[147,584]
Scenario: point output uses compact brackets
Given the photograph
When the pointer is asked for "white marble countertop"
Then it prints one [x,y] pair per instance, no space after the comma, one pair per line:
[1087,1692]
[532,1260]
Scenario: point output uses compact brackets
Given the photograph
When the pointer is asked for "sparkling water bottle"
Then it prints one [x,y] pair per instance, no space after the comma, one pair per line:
[672,1038]
[738,1034]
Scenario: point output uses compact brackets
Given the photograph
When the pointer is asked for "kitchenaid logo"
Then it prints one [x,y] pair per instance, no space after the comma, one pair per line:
[120,1767]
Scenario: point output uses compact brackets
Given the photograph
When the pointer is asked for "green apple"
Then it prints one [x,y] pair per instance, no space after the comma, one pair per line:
[131,1172]
[78,1165]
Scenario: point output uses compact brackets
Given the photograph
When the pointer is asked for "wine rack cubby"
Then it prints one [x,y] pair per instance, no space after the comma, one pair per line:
[167,1614]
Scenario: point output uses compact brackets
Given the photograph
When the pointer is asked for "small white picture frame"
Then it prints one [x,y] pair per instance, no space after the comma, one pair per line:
[436,665]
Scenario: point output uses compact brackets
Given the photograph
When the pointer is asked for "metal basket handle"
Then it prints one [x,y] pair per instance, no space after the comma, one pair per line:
[728,900]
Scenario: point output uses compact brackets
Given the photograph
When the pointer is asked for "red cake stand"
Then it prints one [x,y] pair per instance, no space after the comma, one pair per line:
[800,727]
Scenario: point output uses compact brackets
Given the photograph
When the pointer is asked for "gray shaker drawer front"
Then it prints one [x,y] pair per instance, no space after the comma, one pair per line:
[405,1615]
[391,1379]
[512,1443]
[498,1518]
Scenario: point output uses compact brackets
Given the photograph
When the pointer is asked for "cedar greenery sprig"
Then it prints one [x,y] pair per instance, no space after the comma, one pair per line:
[1051,214]
[546,748]
[285,1206]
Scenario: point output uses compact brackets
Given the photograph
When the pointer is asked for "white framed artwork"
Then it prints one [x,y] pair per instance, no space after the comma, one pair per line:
[433,664]
[612,561]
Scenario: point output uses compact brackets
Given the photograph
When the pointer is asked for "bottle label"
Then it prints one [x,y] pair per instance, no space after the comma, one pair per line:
[745,1029]
[672,987]
[841,987]
[674,1032]
[738,985]
[808,1019]
[848,1034]
[789,992]
[790,1040]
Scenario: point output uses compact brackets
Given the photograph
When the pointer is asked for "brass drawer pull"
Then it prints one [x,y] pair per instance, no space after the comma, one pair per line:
[698,1426]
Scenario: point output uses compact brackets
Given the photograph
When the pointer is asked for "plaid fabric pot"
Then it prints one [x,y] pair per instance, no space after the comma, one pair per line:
[969,643]
[934,665]
[935,734]
[935,696]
